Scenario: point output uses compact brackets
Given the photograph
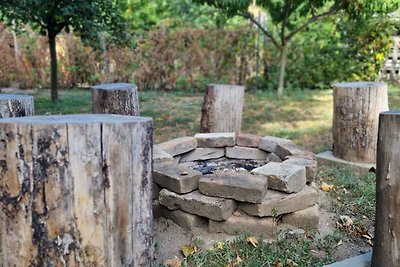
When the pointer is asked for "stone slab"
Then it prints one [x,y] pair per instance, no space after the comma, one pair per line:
[277,203]
[248,140]
[185,220]
[290,149]
[240,152]
[156,190]
[176,177]
[241,186]
[283,177]
[310,165]
[160,155]
[269,143]
[245,224]
[203,154]
[327,158]
[305,219]
[179,145]
[214,208]
[215,139]
[272,157]
[363,260]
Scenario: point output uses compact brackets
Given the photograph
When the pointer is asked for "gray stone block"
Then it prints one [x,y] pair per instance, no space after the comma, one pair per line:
[160,155]
[248,140]
[310,165]
[203,154]
[218,209]
[239,152]
[185,220]
[290,149]
[215,139]
[241,186]
[179,145]
[305,219]
[269,143]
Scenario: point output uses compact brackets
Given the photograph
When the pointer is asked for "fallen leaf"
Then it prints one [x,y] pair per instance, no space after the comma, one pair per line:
[346,220]
[276,263]
[236,213]
[220,245]
[326,187]
[292,263]
[188,250]
[175,262]
[253,241]
[238,260]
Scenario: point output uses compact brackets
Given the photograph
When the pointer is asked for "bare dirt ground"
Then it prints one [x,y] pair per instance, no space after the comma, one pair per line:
[169,237]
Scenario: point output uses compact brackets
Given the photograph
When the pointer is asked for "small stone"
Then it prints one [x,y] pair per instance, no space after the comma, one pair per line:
[248,140]
[215,139]
[176,177]
[160,155]
[266,227]
[203,154]
[179,145]
[268,143]
[309,164]
[185,220]
[241,186]
[305,219]
[290,149]
[218,209]
[283,177]
[239,152]
[272,157]
[277,203]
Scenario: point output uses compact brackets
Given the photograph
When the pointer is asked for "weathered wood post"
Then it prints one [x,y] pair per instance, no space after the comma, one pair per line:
[75,190]
[12,105]
[115,98]
[386,250]
[355,120]
[222,108]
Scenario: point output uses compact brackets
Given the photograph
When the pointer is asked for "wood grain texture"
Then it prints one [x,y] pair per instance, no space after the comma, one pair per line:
[116,98]
[386,250]
[75,190]
[12,105]
[355,121]
[222,109]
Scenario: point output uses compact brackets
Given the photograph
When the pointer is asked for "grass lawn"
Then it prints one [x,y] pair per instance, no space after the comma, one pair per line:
[303,116]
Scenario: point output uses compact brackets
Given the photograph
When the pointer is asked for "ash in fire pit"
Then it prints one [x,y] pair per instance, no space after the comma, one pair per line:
[235,183]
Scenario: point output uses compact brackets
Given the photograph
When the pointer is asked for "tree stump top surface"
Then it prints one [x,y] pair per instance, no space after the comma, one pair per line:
[115,86]
[15,97]
[361,84]
[76,119]
[391,112]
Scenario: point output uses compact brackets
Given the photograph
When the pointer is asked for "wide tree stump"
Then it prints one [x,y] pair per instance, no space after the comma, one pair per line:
[115,98]
[355,120]
[222,108]
[75,190]
[387,221]
[12,105]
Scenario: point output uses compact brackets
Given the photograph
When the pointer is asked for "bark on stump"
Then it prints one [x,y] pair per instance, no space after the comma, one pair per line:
[115,98]
[222,109]
[75,190]
[355,120]
[386,250]
[16,105]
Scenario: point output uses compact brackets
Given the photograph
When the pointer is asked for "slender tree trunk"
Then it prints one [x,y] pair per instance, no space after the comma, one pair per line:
[53,66]
[105,56]
[16,53]
[283,60]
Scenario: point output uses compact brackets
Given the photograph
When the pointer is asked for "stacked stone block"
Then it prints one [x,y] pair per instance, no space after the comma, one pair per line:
[271,195]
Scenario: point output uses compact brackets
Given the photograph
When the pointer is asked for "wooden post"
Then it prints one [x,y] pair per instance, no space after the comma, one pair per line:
[222,108]
[16,105]
[75,190]
[386,250]
[115,98]
[355,120]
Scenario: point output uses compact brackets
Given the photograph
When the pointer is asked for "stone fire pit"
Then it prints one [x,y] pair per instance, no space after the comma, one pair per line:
[235,183]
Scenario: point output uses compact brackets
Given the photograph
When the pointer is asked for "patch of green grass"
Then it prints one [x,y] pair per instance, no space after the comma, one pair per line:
[287,250]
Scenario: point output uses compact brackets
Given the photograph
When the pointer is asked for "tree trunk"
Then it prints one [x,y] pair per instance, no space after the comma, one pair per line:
[105,57]
[16,105]
[75,190]
[283,59]
[386,250]
[355,120]
[222,109]
[53,66]
[116,98]
[16,53]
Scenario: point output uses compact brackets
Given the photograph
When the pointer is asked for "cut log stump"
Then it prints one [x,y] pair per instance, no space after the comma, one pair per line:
[12,105]
[115,98]
[386,250]
[75,190]
[222,109]
[355,121]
